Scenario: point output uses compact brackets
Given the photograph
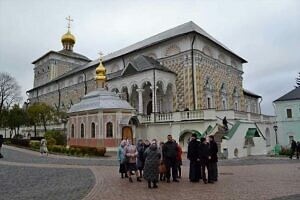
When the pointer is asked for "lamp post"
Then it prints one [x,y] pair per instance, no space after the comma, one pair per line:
[275,127]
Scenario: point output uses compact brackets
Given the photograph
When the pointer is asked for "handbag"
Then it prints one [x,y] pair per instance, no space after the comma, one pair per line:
[162,168]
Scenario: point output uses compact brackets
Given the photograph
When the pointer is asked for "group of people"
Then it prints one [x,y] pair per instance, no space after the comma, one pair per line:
[154,162]
[295,148]
[150,160]
[203,158]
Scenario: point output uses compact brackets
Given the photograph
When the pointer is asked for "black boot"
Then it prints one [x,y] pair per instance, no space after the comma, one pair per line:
[149,184]
[154,184]
[122,175]
[138,179]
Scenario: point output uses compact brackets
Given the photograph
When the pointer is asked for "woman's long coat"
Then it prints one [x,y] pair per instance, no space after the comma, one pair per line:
[151,169]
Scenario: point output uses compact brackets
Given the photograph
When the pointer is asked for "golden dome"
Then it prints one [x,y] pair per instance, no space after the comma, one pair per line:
[100,72]
[68,37]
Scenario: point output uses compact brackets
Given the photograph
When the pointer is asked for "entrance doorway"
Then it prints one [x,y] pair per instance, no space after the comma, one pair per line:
[127,133]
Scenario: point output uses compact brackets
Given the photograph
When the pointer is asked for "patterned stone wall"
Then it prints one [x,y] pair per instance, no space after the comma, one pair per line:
[181,65]
[205,67]
[219,73]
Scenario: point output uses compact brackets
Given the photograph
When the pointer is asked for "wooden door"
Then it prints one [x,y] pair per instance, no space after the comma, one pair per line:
[127,133]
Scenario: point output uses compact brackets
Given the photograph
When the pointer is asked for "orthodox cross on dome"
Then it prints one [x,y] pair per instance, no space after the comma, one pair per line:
[69,21]
[100,73]
[101,56]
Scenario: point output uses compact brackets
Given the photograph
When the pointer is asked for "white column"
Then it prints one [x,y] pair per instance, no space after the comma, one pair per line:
[154,99]
[140,92]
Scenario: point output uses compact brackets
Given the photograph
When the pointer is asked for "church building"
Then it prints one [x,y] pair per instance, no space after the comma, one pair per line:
[178,82]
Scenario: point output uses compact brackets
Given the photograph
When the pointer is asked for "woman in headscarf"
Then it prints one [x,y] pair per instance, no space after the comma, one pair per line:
[121,158]
[152,160]
[43,147]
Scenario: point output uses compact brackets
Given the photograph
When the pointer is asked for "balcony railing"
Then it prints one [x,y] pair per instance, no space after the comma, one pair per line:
[210,114]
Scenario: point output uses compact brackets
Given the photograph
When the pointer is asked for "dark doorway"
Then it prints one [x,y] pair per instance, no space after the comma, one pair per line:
[149,108]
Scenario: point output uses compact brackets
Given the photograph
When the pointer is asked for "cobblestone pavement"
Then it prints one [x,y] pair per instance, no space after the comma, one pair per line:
[91,179]
[26,183]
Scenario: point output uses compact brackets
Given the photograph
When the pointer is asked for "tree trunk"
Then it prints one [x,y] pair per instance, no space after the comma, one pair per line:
[45,128]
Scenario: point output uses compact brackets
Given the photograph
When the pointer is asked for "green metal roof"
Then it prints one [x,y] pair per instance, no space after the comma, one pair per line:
[208,130]
[232,131]
[184,132]
[252,132]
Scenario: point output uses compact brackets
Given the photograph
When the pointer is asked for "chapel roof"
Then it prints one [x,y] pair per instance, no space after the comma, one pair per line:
[292,95]
[100,99]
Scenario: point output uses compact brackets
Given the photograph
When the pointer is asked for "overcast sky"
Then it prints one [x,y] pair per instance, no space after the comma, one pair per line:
[265,33]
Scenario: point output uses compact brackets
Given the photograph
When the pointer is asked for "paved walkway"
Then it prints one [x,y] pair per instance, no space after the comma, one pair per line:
[27,175]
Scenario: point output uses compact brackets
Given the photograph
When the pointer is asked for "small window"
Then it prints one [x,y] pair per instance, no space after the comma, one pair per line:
[109,130]
[82,131]
[289,113]
[235,106]
[224,105]
[72,131]
[93,130]
[208,102]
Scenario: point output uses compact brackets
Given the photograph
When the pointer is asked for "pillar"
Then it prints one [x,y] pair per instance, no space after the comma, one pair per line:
[140,92]
[154,98]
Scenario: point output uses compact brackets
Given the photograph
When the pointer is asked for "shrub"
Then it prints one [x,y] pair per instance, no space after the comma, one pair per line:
[59,137]
[21,142]
[285,151]
[36,138]
[57,148]
[35,144]
[72,151]
[101,151]
[93,151]
[7,141]
[51,142]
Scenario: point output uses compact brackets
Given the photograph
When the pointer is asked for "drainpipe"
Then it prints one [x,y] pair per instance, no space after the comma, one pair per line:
[59,95]
[193,73]
[37,95]
[85,85]
[261,99]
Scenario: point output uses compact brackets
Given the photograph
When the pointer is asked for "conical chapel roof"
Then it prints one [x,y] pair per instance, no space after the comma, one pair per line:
[100,99]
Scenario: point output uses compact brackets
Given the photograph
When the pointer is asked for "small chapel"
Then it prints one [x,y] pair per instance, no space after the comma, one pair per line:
[100,117]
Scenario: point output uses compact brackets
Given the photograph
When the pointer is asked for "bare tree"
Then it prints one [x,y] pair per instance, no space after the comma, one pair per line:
[10,92]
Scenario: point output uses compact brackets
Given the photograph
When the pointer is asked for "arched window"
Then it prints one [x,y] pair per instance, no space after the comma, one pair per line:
[109,130]
[236,106]
[209,103]
[72,131]
[82,131]
[93,130]
[223,94]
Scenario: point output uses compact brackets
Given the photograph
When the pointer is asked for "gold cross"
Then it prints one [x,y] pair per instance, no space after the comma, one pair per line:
[100,55]
[69,21]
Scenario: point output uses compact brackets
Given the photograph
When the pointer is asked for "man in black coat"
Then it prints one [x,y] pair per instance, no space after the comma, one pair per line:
[293,148]
[298,149]
[204,154]
[170,151]
[194,157]
[213,159]
[1,142]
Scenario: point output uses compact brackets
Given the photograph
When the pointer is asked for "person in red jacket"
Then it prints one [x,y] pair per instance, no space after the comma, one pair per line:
[179,160]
